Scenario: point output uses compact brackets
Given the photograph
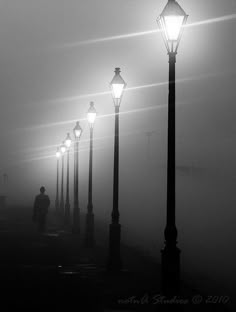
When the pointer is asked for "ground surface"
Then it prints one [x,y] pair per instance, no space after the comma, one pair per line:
[54,272]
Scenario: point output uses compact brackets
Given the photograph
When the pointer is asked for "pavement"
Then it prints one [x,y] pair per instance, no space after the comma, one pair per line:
[54,271]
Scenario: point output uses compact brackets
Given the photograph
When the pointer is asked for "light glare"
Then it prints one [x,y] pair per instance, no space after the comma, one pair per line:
[117,90]
[77,133]
[173,27]
[68,141]
[63,149]
[77,130]
[91,117]
[92,114]
[117,86]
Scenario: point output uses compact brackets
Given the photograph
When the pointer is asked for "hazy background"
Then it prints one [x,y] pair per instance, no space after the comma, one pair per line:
[52,63]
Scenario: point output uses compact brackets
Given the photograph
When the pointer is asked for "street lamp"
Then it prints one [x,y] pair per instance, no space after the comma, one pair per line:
[171,22]
[89,236]
[76,222]
[62,150]
[58,155]
[117,86]
[68,142]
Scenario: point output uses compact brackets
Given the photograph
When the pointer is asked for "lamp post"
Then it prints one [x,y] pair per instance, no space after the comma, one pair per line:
[58,155]
[76,222]
[114,261]
[63,150]
[68,142]
[89,232]
[171,22]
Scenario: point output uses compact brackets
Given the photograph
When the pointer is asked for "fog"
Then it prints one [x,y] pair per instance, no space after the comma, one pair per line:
[48,79]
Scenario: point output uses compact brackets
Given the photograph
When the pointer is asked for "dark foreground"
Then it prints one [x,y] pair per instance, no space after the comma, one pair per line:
[55,272]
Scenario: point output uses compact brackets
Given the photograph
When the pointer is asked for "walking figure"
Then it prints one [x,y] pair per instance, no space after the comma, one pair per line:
[41,205]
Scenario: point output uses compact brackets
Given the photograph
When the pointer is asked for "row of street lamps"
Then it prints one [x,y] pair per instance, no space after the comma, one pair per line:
[117,86]
[171,22]
[63,209]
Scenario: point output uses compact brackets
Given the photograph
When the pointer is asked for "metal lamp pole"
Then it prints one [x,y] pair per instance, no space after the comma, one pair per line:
[68,142]
[63,150]
[89,232]
[114,261]
[58,155]
[170,22]
[76,214]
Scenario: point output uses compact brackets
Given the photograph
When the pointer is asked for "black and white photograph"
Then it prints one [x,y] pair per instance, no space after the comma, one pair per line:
[118,155]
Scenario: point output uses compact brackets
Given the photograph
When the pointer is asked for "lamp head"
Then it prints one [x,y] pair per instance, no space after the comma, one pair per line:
[171,22]
[58,153]
[92,114]
[63,148]
[117,86]
[68,141]
[77,130]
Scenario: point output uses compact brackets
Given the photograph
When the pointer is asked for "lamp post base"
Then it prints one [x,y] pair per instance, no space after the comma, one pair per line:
[89,232]
[114,260]
[170,258]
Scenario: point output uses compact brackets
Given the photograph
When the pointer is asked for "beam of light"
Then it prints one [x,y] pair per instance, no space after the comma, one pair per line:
[143,33]
[78,97]
[97,94]
[213,20]
[49,148]
[47,157]
[38,149]
[37,158]
[85,149]
[67,122]
[29,160]
[82,149]
[49,125]
[92,95]
[152,85]
[111,38]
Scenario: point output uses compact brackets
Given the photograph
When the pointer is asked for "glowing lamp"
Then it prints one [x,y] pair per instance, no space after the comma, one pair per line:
[117,87]
[77,130]
[63,148]
[58,153]
[92,114]
[171,22]
[68,141]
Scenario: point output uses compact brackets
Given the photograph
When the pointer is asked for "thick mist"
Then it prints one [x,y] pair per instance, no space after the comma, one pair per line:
[48,77]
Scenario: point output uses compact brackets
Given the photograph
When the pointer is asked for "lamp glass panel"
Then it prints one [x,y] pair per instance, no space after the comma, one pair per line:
[117,90]
[77,133]
[91,117]
[172,27]
[63,149]
[68,142]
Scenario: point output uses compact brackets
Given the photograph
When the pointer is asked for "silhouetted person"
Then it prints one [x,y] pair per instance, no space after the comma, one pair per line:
[41,205]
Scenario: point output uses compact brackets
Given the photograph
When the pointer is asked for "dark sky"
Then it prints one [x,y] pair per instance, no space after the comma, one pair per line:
[58,55]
